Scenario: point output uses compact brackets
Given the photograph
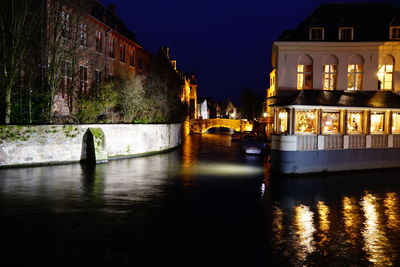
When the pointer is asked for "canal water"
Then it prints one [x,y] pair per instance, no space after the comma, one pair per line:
[205,204]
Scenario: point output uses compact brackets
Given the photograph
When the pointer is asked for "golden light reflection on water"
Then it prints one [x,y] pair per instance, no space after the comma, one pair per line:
[391,203]
[352,219]
[323,212]
[304,227]
[324,225]
[277,226]
[376,244]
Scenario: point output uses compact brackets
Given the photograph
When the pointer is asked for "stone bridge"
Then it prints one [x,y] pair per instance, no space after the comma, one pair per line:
[201,126]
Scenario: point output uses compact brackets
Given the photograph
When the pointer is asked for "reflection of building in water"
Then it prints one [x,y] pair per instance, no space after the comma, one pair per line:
[376,243]
[304,227]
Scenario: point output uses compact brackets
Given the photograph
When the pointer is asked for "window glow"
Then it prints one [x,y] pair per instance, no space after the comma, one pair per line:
[304,77]
[377,122]
[283,121]
[354,77]
[385,77]
[330,122]
[329,76]
[396,123]
[354,122]
[306,121]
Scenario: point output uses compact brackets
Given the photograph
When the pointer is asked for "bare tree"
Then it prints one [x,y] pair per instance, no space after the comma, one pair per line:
[16,30]
[67,40]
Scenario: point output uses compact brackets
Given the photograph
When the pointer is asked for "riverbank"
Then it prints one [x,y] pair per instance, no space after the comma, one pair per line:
[60,144]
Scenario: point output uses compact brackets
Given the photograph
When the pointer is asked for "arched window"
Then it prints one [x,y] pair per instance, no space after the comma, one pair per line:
[329,73]
[304,72]
[385,73]
[355,72]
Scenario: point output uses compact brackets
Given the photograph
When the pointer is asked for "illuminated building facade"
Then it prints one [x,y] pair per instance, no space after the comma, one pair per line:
[333,95]
[107,49]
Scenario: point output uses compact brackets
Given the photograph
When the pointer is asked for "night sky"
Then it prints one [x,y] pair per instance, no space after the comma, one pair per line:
[226,43]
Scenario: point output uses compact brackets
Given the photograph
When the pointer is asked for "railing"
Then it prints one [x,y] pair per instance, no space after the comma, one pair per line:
[307,142]
[357,141]
[378,140]
[332,142]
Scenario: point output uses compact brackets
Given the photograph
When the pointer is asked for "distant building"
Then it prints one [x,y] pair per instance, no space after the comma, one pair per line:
[203,112]
[189,89]
[334,90]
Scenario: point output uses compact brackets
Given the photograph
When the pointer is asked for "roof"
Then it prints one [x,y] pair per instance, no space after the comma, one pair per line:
[370,99]
[108,16]
[371,21]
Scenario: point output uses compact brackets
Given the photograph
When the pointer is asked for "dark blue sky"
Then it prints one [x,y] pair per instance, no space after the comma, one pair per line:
[226,43]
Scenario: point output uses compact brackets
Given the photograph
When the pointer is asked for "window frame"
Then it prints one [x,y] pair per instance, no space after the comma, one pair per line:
[332,76]
[99,41]
[354,74]
[391,32]
[301,83]
[385,73]
[342,29]
[310,33]
[83,78]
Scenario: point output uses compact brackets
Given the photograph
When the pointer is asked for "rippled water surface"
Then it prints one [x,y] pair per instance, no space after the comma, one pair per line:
[205,204]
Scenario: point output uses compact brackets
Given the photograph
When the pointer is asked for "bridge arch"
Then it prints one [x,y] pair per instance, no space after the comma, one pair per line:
[201,126]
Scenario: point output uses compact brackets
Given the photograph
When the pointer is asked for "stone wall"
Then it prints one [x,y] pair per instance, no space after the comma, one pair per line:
[53,144]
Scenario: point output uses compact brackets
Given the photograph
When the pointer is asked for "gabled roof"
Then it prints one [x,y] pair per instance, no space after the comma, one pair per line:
[371,21]
[112,20]
[369,99]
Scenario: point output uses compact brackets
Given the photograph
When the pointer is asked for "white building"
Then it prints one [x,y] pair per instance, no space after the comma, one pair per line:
[334,91]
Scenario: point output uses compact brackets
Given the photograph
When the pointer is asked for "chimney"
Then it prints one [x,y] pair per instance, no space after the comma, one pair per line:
[111,7]
[165,51]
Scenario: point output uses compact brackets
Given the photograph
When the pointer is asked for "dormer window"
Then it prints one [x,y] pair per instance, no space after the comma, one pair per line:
[346,33]
[316,34]
[394,33]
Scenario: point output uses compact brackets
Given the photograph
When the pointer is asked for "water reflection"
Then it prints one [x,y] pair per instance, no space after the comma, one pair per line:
[349,227]
[375,241]
[304,225]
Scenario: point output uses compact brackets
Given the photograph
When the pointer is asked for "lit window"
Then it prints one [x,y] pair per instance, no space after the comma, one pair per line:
[304,77]
[385,77]
[306,121]
[329,77]
[354,122]
[111,47]
[330,122]
[282,121]
[316,34]
[394,33]
[396,123]
[99,41]
[83,34]
[377,122]
[346,34]
[354,76]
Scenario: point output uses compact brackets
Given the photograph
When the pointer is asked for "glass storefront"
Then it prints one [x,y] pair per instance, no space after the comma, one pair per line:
[354,122]
[283,119]
[306,121]
[396,123]
[377,123]
[330,122]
